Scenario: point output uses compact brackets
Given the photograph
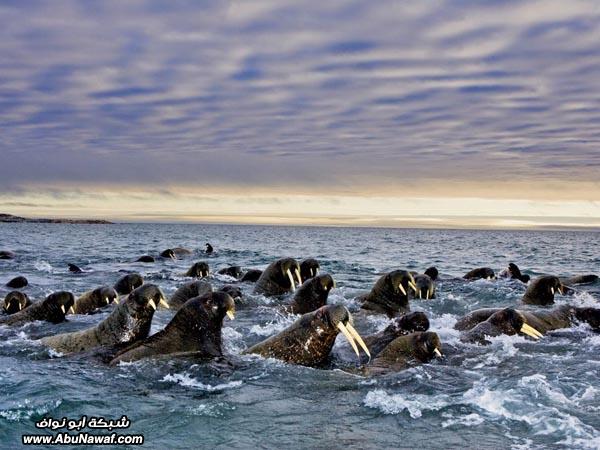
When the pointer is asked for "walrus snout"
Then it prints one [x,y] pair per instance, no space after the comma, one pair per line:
[402,281]
[428,346]
[411,322]
[309,268]
[15,301]
[340,318]
[198,270]
[60,303]
[149,295]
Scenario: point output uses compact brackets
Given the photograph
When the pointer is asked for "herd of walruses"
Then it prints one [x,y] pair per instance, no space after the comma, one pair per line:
[195,328]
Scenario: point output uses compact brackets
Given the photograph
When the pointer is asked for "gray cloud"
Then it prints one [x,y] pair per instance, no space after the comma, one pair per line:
[276,94]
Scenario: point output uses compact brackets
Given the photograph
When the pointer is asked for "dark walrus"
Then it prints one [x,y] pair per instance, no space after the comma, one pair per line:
[17,282]
[312,294]
[189,290]
[309,268]
[579,279]
[406,351]
[195,329]
[128,323]
[279,277]
[252,275]
[198,270]
[15,301]
[95,299]
[542,289]
[128,283]
[400,326]
[52,309]
[514,273]
[232,271]
[389,295]
[484,273]
[505,321]
[309,340]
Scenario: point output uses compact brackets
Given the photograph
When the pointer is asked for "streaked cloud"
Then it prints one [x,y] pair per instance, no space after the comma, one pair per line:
[433,99]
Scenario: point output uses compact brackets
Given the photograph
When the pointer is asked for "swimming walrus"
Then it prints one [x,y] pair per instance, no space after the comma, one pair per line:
[17,282]
[128,283]
[232,271]
[309,340]
[312,294]
[145,259]
[505,321]
[406,351]
[15,301]
[74,269]
[52,309]
[579,279]
[400,326]
[542,289]
[425,287]
[514,273]
[252,275]
[484,273]
[543,320]
[95,299]
[389,295]
[279,277]
[6,254]
[234,291]
[128,323]
[181,251]
[309,268]
[209,249]
[198,270]
[189,290]
[195,329]
[168,253]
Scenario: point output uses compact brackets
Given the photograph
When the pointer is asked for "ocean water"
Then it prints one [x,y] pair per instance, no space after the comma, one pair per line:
[514,393]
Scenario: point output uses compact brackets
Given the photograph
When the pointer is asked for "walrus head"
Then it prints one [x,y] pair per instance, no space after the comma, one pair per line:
[505,321]
[128,283]
[140,306]
[425,287]
[400,326]
[404,351]
[15,301]
[309,268]
[56,306]
[234,291]
[106,295]
[515,273]
[198,270]
[232,271]
[312,294]
[17,282]
[189,290]
[196,327]
[541,290]
[168,253]
[309,340]
[390,293]
[289,273]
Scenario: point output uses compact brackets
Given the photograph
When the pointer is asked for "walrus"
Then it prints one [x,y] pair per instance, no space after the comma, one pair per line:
[309,268]
[95,299]
[128,283]
[181,251]
[234,291]
[309,340]
[514,273]
[505,321]
[15,301]
[209,249]
[232,271]
[400,326]
[6,254]
[484,273]
[252,275]
[425,287]
[407,351]
[52,309]
[168,253]
[195,328]
[198,270]
[278,277]
[542,289]
[74,269]
[389,295]
[312,294]
[128,323]
[579,279]
[17,282]
[189,290]
[146,259]
[564,316]
[432,273]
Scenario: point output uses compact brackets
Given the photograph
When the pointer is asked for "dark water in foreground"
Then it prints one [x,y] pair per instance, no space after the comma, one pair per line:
[512,394]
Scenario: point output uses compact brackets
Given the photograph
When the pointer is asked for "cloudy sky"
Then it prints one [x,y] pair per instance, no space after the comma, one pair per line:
[302,112]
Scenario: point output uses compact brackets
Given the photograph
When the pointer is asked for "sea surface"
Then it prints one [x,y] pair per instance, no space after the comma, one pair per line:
[514,393]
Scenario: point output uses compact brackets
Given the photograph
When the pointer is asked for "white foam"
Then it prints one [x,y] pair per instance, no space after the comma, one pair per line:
[470,420]
[280,323]
[414,404]
[184,379]
[43,266]
[24,411]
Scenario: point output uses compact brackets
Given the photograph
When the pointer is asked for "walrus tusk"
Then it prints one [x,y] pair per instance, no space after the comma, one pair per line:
[106,300]
[230,314]
[71,310]
[317,271]
[551,290]
[356,336]
[116,300]
[349,337]
[530,331]
[152,304]
[561,289]
[412,285]
[312,272]
[289,275]
[420,295]
[297,272]
[437,353]
[163,303]
[427,295]
[402,288]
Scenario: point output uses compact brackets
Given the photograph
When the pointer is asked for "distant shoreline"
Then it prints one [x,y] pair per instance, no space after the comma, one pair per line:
[9,218]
